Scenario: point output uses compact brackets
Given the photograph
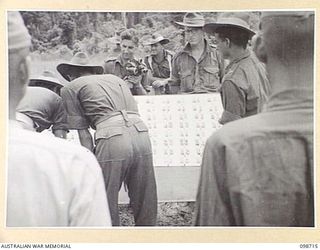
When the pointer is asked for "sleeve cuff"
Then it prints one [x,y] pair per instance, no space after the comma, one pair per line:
[228,117]
[77,122]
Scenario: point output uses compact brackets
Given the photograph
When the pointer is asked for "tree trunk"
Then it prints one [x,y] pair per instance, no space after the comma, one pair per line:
[124,18]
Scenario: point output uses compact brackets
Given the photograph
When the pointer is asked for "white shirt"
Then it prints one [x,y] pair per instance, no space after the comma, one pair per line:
[52,182]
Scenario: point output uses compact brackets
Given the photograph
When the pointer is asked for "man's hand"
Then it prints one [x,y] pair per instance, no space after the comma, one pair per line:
[134,80]
[135,85]
[159,83]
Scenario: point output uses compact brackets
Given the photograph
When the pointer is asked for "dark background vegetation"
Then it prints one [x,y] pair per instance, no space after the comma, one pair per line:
[60,34]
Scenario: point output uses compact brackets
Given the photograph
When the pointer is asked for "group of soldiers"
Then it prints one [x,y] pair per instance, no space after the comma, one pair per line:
[254,170]
[200,67]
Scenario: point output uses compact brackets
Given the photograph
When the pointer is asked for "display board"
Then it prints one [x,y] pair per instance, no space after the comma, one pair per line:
[179,126]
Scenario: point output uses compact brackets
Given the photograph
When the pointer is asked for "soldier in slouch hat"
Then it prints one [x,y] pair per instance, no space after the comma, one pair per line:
[256,170]
[245,85]
[121,141]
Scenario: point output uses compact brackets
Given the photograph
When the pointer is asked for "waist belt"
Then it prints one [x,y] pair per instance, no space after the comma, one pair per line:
[121,115]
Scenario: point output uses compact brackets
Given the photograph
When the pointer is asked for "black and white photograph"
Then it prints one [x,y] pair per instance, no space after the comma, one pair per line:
[160,119]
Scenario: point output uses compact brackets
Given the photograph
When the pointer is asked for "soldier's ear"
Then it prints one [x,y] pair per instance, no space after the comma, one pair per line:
[228,42]
[24,70]
[259,49]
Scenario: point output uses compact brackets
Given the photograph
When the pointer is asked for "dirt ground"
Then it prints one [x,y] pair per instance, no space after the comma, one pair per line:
[169,214]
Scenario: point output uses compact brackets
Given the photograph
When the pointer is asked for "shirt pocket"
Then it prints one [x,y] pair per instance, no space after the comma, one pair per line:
[187,80]
[211,77]
[164,70]
[108,132]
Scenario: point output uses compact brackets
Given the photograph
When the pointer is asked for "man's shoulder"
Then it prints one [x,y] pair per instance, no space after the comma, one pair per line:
[237,131]
[46,143]
[79,82]
[179,57]
[253,134]
[40,92]
[95,80]
[169,53]
[110,64]
[44,152]
[71,87]
[246,64]
[39,98]
[246,71]
[111,60]
[239,73]
[180,54]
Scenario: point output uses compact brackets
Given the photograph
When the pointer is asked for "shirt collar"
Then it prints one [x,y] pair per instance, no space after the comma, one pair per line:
[290,98]
[121,61]
[239,58]
[187,47]
[165,55]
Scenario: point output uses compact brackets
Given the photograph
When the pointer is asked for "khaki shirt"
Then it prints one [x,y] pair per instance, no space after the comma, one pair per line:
[160,69]
[245,88]
[45,108]
[258,171]
[116,66]
[89,99]
[191,76]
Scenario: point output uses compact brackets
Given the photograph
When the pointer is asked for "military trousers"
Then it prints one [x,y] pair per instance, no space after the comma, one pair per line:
[124,152]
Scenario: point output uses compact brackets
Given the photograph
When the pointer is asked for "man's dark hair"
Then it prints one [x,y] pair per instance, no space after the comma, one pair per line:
[81,71]
[129,34]
[236,36]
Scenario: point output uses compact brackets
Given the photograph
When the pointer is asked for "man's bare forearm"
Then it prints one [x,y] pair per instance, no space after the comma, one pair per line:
[86,139]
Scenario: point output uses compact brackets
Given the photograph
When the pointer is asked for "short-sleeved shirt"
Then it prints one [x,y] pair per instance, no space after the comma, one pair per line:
[44,107]
[89,99]
[192,76]
[160,69]
[116,66]
[258,171]
[245,88]
[53,183]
